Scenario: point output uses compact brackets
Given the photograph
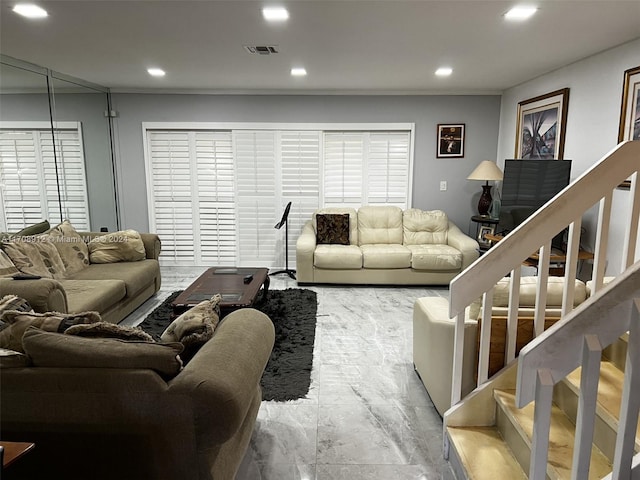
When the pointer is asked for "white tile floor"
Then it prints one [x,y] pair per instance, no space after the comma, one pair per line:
[367,415]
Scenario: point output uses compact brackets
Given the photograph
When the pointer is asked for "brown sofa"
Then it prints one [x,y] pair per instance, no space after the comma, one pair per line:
[132,423]
[112,289]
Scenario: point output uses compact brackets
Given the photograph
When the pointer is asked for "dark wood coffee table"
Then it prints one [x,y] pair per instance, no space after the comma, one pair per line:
[228,282]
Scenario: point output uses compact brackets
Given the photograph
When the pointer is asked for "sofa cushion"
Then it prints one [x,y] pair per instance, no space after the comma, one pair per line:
[48,349]
[35,255]
[122,246]
[71,246]
[332,228]
[385,256]
[379,224]
[7,268]
[19,322]
[98,295]
[339,257]
[528,287]
[353,220]
[435,257]
[136,275]
[425,227]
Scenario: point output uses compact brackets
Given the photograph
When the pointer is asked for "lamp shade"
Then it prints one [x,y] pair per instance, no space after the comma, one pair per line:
[487,170]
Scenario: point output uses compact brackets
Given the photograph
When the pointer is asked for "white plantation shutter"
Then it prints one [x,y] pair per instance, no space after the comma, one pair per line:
[215,195]
[28,177]
[172,192]
[70,175]
[388,168]
[256,187]
[344,155]
[216,198]
[300,167]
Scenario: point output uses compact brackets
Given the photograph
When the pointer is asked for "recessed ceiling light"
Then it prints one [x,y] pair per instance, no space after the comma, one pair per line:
[520,13]
[298,72]
[30,10]
[156,72]
[275,14]
[444,71]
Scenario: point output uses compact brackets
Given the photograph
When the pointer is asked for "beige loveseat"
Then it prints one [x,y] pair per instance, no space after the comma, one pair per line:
[382,245]
[113,289]
[433,333]
[101,423]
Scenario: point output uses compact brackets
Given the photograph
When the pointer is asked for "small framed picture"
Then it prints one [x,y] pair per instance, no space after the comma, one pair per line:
[485,230]
[450,140]
[629,128]
[541,125]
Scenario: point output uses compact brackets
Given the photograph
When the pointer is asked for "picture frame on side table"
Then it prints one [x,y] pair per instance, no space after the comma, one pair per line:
[541,126]
[450,140]
[482,232]
[629,128]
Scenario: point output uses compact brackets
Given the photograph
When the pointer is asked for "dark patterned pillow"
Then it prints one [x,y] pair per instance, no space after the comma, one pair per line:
[333,228]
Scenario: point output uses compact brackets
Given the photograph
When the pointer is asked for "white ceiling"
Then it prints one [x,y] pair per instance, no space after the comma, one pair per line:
[347,46]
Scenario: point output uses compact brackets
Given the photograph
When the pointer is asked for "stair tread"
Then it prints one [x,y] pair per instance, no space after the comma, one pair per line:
[484,453]
[609,387]
[561,437]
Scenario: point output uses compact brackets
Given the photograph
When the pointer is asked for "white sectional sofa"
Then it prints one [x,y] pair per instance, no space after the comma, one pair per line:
[382,245]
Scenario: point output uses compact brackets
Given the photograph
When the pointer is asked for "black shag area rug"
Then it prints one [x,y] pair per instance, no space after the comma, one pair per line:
[293,313]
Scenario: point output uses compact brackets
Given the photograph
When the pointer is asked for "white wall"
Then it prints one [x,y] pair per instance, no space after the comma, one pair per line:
[592,123]
[479,113]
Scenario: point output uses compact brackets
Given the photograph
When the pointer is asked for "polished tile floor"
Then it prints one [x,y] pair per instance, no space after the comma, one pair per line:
[367,415]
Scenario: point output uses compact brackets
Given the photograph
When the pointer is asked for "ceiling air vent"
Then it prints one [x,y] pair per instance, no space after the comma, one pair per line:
[261,49]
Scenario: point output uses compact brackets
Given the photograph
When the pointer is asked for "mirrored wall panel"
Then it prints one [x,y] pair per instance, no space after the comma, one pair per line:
[56,158]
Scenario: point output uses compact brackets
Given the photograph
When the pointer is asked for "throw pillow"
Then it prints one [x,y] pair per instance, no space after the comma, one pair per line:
[194,327]
[35,255]
[122,246]
[7,268]
[11,336]
[108,330]
[14,302]
[71,246]
[13,359]
[34,229]
[49,349]
[333,228]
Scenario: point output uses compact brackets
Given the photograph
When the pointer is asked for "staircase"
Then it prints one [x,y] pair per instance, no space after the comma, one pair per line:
[567,407]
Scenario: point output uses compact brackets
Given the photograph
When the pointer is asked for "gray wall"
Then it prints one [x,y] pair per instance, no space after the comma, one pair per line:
[592,124]
[479,113]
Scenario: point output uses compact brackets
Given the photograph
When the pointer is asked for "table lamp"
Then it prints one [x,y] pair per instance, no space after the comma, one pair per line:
[487,170]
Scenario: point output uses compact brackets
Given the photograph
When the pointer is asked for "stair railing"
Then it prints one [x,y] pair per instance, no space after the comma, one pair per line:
[578,341]
[566,209]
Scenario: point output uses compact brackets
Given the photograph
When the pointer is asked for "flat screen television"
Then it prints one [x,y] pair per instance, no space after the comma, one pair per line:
[526,186]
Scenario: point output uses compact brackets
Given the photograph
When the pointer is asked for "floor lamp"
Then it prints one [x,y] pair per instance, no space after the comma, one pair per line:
[285,221]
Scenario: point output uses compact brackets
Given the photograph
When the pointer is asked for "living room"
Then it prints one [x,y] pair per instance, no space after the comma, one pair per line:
[593,118]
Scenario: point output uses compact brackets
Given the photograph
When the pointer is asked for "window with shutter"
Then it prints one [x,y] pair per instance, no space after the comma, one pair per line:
[215,195]
[30,174]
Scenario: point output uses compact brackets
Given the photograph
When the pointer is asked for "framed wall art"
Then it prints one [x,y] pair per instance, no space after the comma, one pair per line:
[485,230]
[541,126]
[629,128]
[450,140]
